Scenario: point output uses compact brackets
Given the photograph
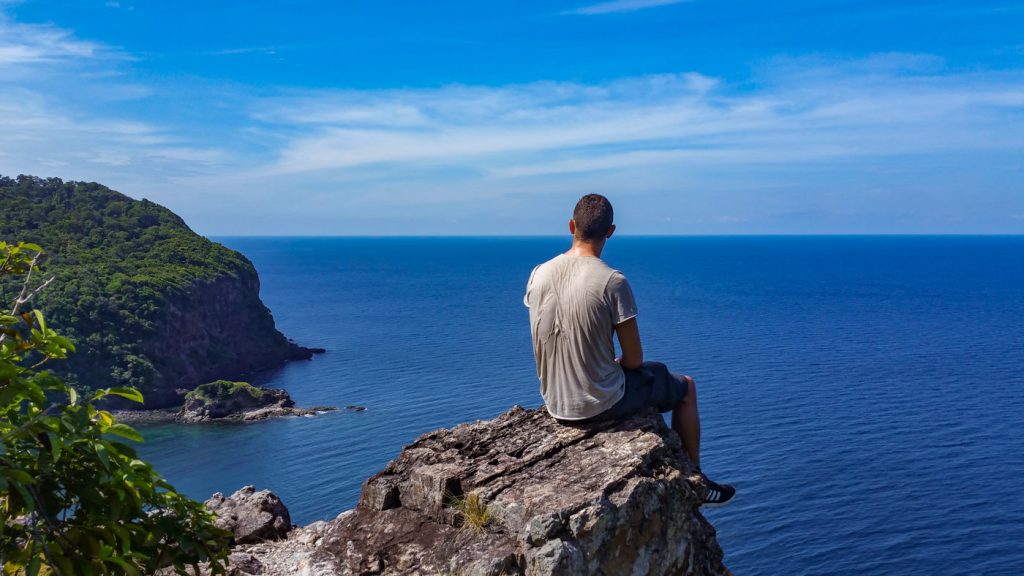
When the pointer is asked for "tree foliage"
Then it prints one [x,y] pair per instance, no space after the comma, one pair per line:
[120,265]
[74,496]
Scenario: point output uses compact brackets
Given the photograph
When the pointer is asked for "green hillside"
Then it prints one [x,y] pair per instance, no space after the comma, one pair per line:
[148,302]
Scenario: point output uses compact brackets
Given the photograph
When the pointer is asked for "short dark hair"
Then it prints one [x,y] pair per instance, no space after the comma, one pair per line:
[593,216]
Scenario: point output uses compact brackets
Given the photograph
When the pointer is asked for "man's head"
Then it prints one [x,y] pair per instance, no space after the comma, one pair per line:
[592,219]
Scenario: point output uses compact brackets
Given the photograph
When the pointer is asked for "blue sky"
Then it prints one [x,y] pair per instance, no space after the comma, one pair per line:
[694,117]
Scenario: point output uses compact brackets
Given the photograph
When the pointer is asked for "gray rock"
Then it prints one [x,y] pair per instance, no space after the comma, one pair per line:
[557,557]
[242,564]
[240,401]
[542,527]
[603,498]
[222,399]
[252,516]
[610,498]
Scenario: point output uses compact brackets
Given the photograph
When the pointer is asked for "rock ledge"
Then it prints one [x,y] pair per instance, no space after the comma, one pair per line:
[520,494]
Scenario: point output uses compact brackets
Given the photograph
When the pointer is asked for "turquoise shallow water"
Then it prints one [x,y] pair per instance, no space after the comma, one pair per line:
[865,394]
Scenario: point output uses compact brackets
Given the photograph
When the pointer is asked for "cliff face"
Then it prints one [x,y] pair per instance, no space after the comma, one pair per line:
[148,302]
[521,494]
[216,329]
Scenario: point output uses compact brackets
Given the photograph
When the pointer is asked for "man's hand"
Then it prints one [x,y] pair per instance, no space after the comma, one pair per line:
[629,340]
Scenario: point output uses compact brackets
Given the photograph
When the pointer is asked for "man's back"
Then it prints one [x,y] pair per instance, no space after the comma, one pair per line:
[575,303]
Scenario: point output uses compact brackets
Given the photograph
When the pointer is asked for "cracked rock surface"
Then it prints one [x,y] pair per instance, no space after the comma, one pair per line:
[520,494]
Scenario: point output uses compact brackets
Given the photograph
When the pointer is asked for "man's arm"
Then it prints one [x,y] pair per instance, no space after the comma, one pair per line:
[629,340]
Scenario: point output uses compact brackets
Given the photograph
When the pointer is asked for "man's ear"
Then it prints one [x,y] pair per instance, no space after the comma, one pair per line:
[572,227]
[611,231]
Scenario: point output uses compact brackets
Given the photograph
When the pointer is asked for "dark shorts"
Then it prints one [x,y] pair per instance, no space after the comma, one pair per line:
[652,386]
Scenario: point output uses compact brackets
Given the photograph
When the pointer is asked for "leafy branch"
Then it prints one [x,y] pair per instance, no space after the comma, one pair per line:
[74,496]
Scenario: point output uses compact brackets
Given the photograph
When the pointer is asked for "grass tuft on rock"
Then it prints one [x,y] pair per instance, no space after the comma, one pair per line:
[473,512]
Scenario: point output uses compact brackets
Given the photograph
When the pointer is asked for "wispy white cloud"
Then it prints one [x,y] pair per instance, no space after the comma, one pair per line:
[82,132]
[615,6]
[317,157]
[40,43]
[799,114]
[264,50]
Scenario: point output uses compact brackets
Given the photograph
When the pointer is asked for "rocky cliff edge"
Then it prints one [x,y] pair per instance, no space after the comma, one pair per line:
[520,494]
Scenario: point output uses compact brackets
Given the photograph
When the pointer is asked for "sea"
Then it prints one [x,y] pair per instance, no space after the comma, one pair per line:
[865,394]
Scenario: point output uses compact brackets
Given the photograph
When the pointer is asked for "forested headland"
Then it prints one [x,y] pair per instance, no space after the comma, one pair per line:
[148,302]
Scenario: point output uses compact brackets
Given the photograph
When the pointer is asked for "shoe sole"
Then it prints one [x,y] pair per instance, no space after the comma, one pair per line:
[718,504]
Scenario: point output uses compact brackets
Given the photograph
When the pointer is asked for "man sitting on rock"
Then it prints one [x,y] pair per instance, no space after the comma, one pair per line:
[576,302]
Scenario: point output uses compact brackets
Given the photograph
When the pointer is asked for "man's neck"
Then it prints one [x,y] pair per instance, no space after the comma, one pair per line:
[584,248]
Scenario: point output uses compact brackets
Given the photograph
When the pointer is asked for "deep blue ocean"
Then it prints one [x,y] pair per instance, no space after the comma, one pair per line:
[864,394]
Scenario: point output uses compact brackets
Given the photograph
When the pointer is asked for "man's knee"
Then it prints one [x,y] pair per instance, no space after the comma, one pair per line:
[690,394]
[691,387]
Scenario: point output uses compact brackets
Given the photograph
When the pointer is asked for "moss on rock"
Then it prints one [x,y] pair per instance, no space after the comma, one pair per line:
[220,390]
[226,399]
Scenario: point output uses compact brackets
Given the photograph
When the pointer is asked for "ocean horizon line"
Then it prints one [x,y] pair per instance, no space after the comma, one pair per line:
[553,236]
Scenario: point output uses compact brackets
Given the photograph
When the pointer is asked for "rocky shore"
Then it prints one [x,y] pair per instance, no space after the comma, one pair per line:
[225,401]
[297,352]
[520,494]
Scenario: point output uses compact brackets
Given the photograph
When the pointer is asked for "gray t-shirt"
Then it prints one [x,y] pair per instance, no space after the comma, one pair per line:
[575,303]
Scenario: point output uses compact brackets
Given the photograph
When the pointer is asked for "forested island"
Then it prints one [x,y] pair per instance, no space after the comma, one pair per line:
[148,302]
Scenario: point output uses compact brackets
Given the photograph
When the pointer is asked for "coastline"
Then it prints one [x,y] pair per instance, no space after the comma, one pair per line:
[175,415]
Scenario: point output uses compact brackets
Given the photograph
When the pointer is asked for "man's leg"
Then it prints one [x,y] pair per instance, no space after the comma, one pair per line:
[686,421]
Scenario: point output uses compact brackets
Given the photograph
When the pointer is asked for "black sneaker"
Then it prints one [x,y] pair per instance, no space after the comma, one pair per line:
[716,494]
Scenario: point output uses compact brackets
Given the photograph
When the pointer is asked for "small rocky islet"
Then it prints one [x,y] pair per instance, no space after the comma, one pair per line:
[227,401]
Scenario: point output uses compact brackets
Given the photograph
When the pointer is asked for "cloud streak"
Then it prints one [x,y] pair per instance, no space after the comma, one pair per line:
[61,132]
[618,6]
[804,115]
[807,125]
[22,44]
[259,50]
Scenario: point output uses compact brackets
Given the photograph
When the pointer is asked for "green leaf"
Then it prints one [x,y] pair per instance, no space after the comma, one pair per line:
[62,342]
[128,568]
[56,445]
[105,418]
[126,451]
[10,393]
[19,476]
[33,566]
[63,564]
[39,319]
[129,393]
[101,451]
[124,431]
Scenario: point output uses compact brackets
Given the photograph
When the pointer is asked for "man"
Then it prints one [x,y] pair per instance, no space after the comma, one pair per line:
[576,303]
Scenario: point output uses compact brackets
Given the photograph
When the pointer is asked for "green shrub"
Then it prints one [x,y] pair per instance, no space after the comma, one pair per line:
[74,497]
[221,389]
